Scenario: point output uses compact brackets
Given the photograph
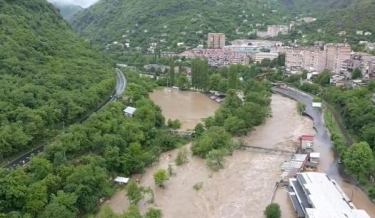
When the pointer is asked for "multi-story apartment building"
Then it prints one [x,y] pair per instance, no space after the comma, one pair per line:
[258,57]
[216,40]
[336,54]
[314,59]
[217,57]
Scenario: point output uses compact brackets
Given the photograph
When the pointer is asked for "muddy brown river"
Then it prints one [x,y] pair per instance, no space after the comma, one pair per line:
[188,107]
[245,186]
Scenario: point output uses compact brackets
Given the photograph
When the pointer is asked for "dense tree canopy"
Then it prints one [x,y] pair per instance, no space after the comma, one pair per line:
[73,174]
[359,159]
[174,21]
[49,77]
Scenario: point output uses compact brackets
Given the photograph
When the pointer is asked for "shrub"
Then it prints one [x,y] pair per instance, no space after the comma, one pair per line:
[181,157]
[273,211]
[198,186]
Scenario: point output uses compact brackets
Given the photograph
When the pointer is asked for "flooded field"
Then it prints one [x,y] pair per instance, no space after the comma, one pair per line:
[189,107]
[244,187]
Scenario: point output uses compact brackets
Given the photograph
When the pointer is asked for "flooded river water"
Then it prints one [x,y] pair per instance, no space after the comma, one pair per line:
[188,107]
[245,186]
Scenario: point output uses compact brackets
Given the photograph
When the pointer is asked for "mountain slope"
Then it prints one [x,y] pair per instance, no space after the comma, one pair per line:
[142,22]
[313,6]
[49,77]
[68,11]
[334,16]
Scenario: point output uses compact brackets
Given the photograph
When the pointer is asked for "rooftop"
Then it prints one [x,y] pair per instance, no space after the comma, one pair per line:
[315,155]
[326,197]
[121,180]
[129,110]
[307,138]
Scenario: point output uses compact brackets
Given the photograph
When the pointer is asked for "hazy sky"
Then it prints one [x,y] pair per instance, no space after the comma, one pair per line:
[83,3]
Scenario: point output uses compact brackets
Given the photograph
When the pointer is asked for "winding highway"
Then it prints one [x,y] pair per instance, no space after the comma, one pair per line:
[121,83]
[335,169]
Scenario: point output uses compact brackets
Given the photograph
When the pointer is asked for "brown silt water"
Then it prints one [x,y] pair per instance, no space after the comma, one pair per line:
[245,186]
[188,107]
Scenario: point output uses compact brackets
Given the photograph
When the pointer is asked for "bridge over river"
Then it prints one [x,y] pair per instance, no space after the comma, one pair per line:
[266,150]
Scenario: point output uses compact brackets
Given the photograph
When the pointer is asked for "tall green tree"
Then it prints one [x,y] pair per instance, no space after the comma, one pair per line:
[359,159]
[272,211]
[215,82]
[357,73]
[183,81]
[172,73]
[134,192]
[160,177]
[233,77]
[215,159]
[199,74]
[323,78]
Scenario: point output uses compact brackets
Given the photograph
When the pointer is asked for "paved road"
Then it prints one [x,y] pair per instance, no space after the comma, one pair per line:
[335,170]
[121,82]
[120,88]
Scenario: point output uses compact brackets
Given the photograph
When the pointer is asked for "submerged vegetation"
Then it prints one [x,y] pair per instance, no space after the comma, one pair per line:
[246,105]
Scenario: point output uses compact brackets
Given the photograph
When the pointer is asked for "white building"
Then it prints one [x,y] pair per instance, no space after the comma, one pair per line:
[265,55]
[317,104]
[121,180]
[315,195]
[129,111]
[314,157]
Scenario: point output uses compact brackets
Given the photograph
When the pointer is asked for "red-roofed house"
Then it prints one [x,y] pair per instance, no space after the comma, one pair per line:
[307,142]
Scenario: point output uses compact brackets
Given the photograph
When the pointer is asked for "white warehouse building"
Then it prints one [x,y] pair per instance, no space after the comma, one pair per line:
[315,195]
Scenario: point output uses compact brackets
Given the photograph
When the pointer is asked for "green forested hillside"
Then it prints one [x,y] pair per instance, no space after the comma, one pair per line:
[67,10]
[189,21]
[49,77]
[165,22]
[334,16]
[313,6]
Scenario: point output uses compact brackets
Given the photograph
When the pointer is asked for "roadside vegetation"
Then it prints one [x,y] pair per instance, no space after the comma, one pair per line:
[300,107]
[357,118]
[336,134]
[50,78]
[74,173]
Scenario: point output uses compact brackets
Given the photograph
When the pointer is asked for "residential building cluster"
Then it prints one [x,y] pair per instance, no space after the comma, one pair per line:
[239,52]
[217,57]
[361,60]
[314,59]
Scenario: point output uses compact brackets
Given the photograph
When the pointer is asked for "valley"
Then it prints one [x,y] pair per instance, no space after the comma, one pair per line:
[243,188]
[170,108]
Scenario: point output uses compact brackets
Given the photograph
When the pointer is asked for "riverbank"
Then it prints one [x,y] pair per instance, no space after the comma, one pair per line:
[328,155]
[243,188]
